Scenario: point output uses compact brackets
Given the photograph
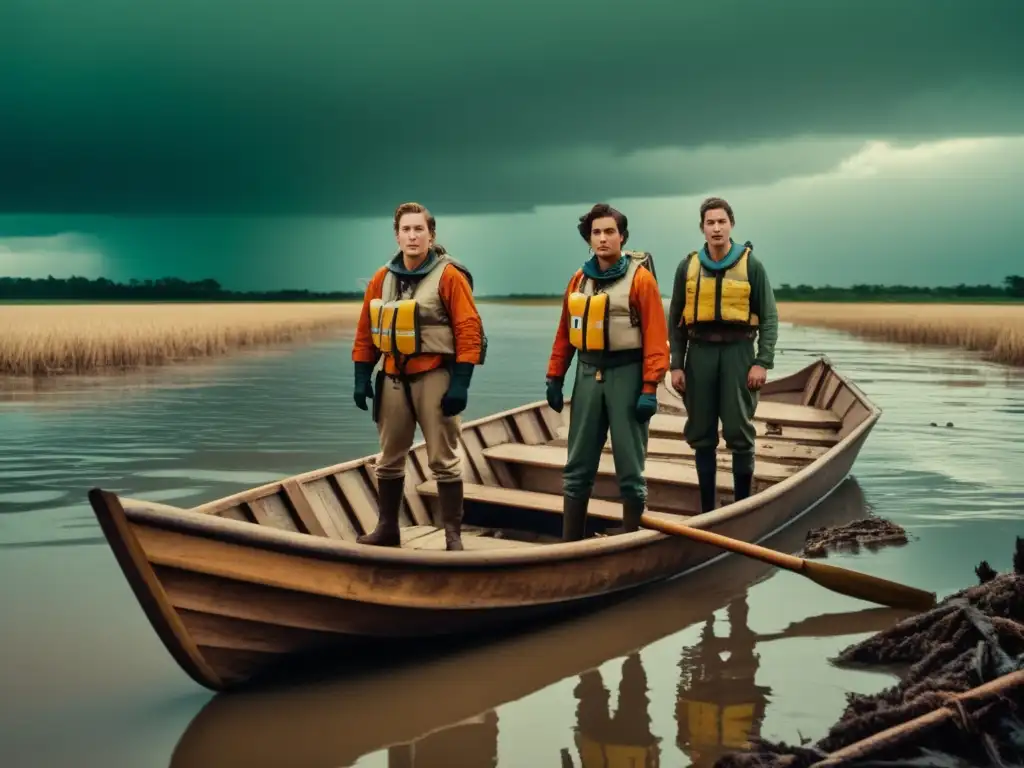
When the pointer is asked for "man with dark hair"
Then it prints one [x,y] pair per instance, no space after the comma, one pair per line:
[613,317]
[721,301]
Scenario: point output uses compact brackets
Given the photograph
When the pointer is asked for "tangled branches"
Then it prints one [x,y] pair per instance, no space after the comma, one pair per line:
[973,637]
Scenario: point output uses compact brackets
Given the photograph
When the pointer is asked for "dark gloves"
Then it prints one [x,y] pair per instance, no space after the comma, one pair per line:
[555,399]
[363,388]
[646,406]
[454,400]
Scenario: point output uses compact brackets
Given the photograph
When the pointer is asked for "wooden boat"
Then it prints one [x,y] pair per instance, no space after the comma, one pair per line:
[236,586]
[336,719]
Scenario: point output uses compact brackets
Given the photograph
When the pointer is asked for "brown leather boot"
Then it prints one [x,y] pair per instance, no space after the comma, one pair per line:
[389,501]
[632,511]
[574,518]
[450,497]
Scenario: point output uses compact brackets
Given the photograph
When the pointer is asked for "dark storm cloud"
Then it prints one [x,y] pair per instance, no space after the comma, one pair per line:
[319,106]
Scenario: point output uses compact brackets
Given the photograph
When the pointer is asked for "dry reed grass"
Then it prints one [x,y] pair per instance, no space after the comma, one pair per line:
[994,330]
[52,339]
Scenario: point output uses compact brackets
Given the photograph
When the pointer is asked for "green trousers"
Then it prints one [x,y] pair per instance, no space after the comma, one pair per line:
[596,408]
[716,388]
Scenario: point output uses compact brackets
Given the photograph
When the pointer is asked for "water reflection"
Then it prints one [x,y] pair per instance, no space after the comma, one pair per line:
[473,743]
[719,705]
[607,740]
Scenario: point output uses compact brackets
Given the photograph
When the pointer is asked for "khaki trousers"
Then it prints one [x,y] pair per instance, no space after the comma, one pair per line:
[397,426]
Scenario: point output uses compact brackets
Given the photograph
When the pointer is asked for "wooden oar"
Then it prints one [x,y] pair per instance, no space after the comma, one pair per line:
[841,580]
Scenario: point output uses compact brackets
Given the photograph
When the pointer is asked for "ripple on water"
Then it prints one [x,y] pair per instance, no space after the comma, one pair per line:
[169,494]
[66,542]
[219,476]
[32,497]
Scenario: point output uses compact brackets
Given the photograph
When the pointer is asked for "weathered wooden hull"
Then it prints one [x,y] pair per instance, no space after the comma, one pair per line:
[236,586]
[333,721]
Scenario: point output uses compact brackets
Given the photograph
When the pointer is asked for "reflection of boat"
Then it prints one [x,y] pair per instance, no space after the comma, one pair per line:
[239,584]
[319,722]
[472,743]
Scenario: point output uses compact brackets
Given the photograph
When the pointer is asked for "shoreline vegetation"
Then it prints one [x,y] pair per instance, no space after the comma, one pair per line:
[80,326]
[47,339]
[995,331]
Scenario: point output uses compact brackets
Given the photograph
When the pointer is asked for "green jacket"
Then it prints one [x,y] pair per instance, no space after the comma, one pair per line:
[762,302]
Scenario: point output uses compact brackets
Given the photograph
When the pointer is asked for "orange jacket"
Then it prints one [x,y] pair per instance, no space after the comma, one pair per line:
[645,296]
[466,324]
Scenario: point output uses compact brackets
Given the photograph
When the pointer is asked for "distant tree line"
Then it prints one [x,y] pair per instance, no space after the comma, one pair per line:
[1012,288]
[175,289]
[163,289]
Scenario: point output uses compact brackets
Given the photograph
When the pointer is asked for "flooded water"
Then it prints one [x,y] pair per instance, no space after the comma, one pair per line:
[86,681]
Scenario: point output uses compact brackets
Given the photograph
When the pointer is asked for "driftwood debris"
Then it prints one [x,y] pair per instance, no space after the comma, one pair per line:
[871,532]
[957,703]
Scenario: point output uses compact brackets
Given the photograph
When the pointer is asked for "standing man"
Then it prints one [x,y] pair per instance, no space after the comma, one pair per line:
[419,314]
[613,316]
[721,300]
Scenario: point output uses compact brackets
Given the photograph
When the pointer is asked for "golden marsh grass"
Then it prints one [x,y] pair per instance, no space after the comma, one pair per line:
[53,339]
[994,330]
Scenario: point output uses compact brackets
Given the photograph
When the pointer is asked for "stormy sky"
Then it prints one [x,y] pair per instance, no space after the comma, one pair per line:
[266,143]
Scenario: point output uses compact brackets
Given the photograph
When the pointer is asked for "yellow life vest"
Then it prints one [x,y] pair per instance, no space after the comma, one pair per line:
[706,304]
[710,725]
[600,315]
[415,322]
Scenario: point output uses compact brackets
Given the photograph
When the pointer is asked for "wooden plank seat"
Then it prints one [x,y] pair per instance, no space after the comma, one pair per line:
[541,502]
[667,448]
[783,414]
[667,425]
[554,457]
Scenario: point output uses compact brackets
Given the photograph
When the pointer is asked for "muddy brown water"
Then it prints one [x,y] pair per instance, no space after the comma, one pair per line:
[85,680]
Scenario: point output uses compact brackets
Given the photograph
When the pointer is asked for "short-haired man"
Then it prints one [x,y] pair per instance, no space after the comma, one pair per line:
[419,313]
[721,301]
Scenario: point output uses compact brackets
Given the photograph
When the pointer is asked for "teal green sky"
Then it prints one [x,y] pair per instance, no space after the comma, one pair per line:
[266,144]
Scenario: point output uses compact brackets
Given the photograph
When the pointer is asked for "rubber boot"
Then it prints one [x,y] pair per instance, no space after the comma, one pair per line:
[741,484]
[450,496]
[631,512]
[707,470]
[389,501]
[574,518]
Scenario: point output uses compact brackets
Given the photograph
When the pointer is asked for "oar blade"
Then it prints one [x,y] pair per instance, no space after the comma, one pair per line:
[870,588]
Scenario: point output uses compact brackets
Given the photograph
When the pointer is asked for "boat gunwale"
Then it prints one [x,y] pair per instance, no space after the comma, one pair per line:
[209,525]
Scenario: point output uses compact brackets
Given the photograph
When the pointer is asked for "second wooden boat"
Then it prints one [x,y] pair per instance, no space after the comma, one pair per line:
[236,586]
